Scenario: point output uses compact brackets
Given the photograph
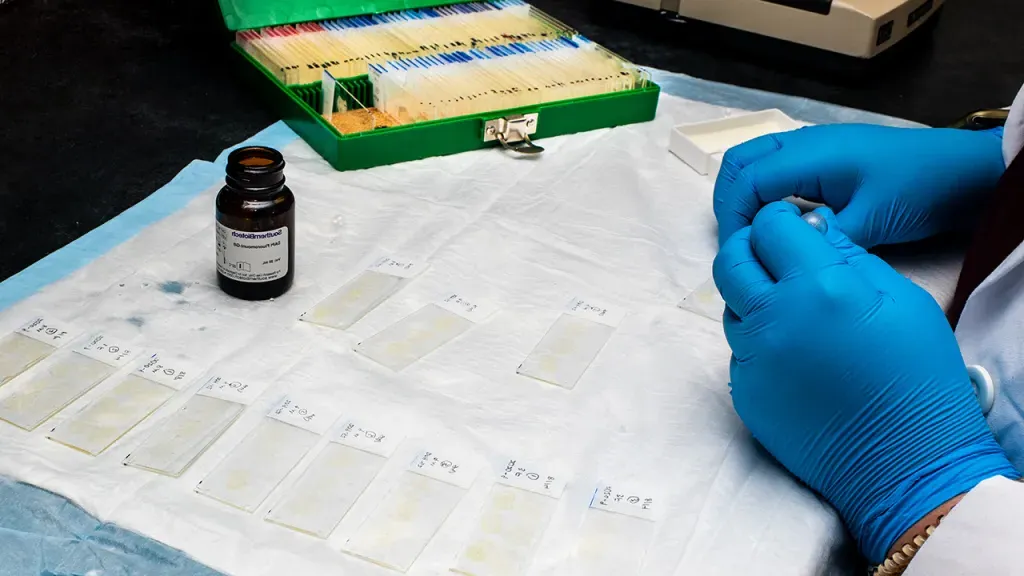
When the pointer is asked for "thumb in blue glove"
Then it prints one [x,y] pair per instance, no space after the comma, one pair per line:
[888,185]
[849,374]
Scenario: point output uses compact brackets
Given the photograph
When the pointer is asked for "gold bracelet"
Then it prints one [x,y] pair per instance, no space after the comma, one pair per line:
[898,563]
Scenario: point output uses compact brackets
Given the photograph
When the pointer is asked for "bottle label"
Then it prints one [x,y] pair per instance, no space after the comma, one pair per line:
[252,256]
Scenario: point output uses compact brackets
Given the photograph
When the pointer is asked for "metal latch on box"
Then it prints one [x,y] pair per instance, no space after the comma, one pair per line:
[513,132]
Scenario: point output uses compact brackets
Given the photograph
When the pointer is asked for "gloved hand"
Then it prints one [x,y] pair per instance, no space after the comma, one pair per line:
[887,185]
[849,374]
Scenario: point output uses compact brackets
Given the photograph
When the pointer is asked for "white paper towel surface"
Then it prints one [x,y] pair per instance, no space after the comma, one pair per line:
[609,214]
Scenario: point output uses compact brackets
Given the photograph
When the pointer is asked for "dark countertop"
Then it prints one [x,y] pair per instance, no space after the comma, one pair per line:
[102,103]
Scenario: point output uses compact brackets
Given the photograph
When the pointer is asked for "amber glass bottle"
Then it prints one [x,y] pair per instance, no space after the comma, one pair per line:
[255,226]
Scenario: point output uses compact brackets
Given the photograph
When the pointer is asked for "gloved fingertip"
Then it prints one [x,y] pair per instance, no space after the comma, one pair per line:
[768,219]
[827,213]
[784,206]
[769,211]
[837,235]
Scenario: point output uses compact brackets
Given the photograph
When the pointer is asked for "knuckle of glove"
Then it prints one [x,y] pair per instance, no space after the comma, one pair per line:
[800,307]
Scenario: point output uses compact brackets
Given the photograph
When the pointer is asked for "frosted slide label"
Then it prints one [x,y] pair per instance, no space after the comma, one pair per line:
[109,350]
[52,332]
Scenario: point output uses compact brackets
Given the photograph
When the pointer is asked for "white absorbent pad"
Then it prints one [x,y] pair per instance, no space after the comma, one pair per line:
[609,214]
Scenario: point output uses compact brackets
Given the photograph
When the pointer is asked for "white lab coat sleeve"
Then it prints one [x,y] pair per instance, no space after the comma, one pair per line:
[981,535]
[1013,137]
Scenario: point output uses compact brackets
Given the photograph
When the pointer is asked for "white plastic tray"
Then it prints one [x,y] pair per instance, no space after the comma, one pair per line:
[703,144]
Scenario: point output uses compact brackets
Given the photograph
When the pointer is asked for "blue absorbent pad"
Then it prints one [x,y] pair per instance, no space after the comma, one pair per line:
[42,533]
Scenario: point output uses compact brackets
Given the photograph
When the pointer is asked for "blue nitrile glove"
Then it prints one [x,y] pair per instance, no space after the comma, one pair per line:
[887,185]
[849,374]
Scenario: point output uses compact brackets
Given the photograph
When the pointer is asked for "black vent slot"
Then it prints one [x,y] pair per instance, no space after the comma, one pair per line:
[920,13]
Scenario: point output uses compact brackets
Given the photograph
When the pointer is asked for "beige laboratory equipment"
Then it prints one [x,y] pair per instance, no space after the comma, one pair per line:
[858,28]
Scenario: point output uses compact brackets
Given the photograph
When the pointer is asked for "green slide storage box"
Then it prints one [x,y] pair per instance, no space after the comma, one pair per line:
[298,105]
